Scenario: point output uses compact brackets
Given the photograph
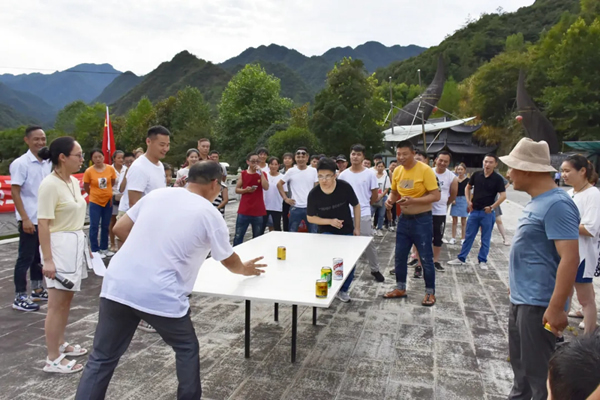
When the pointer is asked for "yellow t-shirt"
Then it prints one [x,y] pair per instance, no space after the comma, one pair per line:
[414,182]
[61,203]
[100,184]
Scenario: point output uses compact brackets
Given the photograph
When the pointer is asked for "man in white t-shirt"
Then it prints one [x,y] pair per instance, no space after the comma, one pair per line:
[263,156]
[448,183]
[147,172]
[301,179]
[364,182]
[153,274]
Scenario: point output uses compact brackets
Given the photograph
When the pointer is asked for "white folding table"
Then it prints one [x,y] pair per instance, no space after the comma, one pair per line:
[291,281]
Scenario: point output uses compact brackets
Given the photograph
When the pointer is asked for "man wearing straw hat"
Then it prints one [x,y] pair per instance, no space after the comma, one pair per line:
[542,267]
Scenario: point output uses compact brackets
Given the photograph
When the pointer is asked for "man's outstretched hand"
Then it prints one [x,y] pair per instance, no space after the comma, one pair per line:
[252,268]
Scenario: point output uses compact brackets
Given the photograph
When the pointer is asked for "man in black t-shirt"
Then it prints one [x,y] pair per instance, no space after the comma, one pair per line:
[329,208]
[486,185]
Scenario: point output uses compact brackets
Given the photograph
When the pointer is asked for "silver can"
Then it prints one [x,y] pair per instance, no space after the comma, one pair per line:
[338,269]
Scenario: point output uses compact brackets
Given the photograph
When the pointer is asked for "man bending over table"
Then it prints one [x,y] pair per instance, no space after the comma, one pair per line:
[152,275]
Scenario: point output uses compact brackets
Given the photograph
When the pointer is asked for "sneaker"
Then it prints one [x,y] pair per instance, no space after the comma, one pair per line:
[418,272]
[101,255]
[24,303]
[146,327]
[391,229]
[39,296]
[373,232]
[108,253]
[392,272]
[438,267]
[380,232]
[413,262]
[582,325]
[343,296]
[483,265]
[456,262]
[560,339]
[444,241]
[452,241]
[462,241]
[378,277]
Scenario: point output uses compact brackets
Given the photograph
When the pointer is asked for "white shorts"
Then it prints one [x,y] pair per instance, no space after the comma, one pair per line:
[70,254]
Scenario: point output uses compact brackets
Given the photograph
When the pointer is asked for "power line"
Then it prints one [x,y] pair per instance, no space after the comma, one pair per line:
[66,70]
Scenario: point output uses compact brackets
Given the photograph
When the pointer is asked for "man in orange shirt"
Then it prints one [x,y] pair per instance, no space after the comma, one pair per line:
[416,183]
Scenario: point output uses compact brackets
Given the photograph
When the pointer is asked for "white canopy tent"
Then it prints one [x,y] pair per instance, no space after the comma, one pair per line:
[406,132]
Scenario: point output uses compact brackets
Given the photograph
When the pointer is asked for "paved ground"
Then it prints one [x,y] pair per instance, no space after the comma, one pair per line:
[368,349]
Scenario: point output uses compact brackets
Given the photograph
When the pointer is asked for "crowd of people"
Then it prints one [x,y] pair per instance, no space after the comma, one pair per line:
[554,251]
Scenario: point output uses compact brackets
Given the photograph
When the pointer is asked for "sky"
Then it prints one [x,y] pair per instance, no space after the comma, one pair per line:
[45,36]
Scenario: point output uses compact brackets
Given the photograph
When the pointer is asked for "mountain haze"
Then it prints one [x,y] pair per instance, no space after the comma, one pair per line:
[27,104]
[120,86]
[9,118]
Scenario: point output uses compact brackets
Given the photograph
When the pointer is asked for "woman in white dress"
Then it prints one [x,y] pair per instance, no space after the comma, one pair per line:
[578,172]
[191,157]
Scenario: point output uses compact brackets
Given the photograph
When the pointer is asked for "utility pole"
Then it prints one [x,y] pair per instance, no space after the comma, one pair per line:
[421,111]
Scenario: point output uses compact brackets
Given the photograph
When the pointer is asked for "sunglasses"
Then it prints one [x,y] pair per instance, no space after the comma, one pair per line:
[301,153]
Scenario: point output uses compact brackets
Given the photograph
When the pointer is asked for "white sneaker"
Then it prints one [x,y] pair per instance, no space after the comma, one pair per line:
[456,262]
[380,232]
[444,241]
[582,325]
[462,241]
[108,253]
[483,265]
[343,296]
[101,255]
[452,241]
[391,229]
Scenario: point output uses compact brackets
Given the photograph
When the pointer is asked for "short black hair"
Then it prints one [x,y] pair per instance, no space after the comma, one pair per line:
[376,156]
[327,164]
[158,130]
[271,159]
[573,368]
[315,157]
[250,156]
[128,154]
[302,148]
[444,153]
[94,151]
[405,144]
[31,128]
[379,162]
[290,155]
[262,150]
[358,148]
[205,172]
[422,153]
[495,157]
[213,152]
[393,161]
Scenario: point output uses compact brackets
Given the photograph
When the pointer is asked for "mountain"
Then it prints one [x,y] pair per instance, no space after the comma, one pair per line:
[480,41]
[313,70]
[27,104]
[9,118]
[171,76]
[118,88]
[82,82]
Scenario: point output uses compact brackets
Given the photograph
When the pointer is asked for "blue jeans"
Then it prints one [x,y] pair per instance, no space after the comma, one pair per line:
[477,219]
[379,213]
[100,218]
[346,286]
[296,216]
[241,226]
[417,230]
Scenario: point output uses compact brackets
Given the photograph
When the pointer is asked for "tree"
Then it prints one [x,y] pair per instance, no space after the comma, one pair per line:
[450,100]
[137,122]
[89,127]
[348,109]
[291,139]
[249,105]
[65,120]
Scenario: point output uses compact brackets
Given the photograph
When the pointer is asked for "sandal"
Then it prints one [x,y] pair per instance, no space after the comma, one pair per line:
[56,366]
[429,300]
[76,352]
[575,314]
[395,294]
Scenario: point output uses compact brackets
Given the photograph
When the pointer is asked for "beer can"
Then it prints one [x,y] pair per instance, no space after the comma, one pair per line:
[338,269]
[322,288]
[326,273]
[281,253]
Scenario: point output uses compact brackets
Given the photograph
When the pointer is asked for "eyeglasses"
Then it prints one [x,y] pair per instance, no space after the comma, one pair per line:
[325,177]
[81,156]
[301,153]
[253,161]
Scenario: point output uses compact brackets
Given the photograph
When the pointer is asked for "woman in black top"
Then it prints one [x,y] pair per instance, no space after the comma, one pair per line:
[459,206]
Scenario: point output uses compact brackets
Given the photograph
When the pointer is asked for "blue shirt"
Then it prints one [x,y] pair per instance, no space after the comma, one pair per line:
[533,256]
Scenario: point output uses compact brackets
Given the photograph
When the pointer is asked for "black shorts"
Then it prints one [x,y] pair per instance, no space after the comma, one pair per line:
[439,225]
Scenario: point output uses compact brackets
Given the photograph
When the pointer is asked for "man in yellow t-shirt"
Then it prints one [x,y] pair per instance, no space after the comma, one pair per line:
[415,188]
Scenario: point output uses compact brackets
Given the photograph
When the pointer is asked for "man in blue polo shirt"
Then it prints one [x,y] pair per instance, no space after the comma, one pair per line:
[26,174]
[542,267]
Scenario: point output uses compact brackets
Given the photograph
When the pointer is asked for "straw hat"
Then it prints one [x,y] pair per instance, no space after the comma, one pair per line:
[529,155]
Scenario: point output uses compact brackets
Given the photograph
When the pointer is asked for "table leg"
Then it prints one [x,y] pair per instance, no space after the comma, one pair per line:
[276,312]
[247,331]
[314,315]
[294,331]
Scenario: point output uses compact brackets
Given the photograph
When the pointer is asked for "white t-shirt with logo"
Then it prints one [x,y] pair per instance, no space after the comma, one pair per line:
[273,200]
[143,176]
[301,183]
[444,182]
[384,182]
[155,270]
[363,183]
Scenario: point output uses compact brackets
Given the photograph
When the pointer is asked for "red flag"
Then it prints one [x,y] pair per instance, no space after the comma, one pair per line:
[108,140]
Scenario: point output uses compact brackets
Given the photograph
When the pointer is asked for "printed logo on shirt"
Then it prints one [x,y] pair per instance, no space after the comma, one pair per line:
[102,183]
[407,183]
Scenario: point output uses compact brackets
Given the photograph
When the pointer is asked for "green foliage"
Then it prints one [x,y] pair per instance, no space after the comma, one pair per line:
[137,122]
[89,127]
[347,110]
[299,116]
[10,118]
[250,104]
[450,100]
[291,139]
[572,96]
[515,43]
[65,120]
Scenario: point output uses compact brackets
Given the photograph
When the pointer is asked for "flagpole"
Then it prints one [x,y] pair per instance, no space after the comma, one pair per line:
[108,133]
